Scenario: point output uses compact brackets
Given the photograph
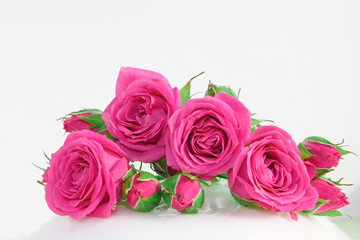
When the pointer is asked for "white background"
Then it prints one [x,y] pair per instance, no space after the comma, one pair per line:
[297,63]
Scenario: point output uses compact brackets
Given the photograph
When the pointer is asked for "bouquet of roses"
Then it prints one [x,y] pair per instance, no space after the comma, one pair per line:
[187,142]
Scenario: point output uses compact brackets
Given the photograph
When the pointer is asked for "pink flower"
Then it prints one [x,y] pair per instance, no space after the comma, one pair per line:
[139,113]
[206,135]
[77,121]
[85,176]
[328,191]
[271,173]
[183,193]
[142,192]
[324,155]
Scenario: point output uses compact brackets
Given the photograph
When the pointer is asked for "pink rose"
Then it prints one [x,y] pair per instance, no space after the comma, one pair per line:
[271,173]
[85,176]
[206,135]
[142,192]
[328,191]
[324,155]
[139,113]
[77,121]
[183,193]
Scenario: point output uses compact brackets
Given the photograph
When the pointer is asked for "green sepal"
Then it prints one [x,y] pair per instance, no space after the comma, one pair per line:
[162,165]
[170,184]
[322,171]
[214,89]
[185,90]
[246,203]
[107,135]
[331,213]
[167,197]
[144,176]
[337,183]
[319,203]
[223,176]
[38,167]
[192,177]
[96,121]
[198,203]
[319,139]
[255,123]
[343,151]
[85,110]
[148,204]
[304,151]
[131,172]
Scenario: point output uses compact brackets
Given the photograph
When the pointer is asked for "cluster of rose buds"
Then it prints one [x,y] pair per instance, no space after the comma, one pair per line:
[187,142]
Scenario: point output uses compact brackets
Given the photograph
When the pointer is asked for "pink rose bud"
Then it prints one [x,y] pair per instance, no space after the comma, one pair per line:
[142,192]
[329,192]
[183,193]
[90,119]
[321,152]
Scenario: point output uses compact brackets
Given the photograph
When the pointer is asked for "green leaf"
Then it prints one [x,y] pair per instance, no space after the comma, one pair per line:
[160,167]
[318,205]
[107,135]
[246,203]
[214,89]
[255,123]
[331,213]
[304,151]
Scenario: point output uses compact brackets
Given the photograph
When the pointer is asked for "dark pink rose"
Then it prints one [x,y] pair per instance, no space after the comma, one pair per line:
[85,176]
[138,115]
[183,193]
[324,155]
[77,122]
[206,135]
[271,173]
[328,191]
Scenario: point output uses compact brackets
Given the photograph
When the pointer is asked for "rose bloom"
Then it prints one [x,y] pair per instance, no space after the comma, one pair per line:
[85,176]
[138,115]
[206,135]
[328,191]
[324,155]
[272,173]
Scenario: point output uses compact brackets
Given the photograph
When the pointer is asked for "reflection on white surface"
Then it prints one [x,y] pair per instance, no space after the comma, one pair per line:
[220,217]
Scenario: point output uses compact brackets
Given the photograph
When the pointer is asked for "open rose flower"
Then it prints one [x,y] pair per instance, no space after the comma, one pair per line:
[206,135]
[85,176]
[272,174]
[138,115]
[328,191]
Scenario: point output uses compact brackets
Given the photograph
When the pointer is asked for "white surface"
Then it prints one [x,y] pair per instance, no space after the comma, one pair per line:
[220,218]
[297,63]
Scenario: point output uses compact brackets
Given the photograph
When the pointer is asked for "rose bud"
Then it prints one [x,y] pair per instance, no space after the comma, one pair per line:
[328,191]
[142,192]
[90,119]
[320,152]
[183,193]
